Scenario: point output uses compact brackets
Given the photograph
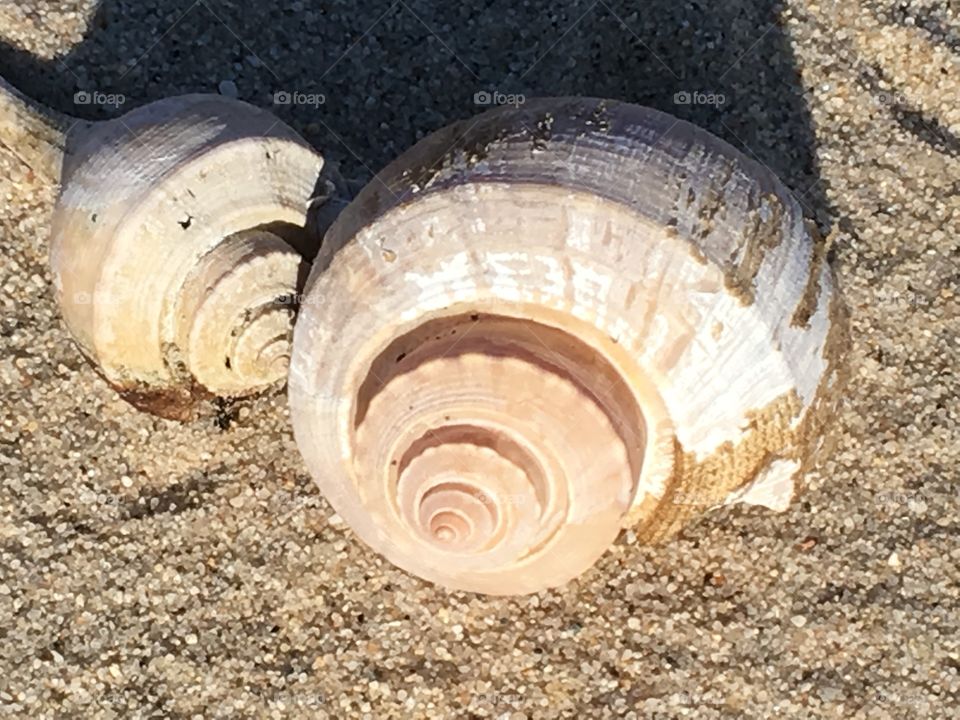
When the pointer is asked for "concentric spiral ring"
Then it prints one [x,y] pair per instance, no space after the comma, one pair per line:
[496,457]
[234,324]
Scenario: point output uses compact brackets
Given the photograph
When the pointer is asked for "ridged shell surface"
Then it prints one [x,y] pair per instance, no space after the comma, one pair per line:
[165,249]
[544,324]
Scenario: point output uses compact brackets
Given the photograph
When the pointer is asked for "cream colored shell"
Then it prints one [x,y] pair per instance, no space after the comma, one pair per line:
[168,241]
[545,324]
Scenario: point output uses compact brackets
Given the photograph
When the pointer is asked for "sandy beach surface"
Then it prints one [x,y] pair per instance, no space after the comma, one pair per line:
[150,569]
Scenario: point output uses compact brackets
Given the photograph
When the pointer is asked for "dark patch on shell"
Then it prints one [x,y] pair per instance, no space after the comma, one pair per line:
[764,234]
[836,376]
[173,403]
[542,133]
[714,201]
[811,293]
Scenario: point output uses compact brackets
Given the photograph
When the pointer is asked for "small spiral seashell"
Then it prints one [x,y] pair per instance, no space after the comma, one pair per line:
[170,241]
[549,323]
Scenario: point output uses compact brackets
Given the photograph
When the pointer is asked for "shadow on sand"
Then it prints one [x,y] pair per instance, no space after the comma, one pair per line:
[389,73]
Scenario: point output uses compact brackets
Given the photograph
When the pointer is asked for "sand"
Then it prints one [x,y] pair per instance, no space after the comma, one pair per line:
[153,569]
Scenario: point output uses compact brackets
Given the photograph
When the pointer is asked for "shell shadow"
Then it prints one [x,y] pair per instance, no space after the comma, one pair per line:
[364,80]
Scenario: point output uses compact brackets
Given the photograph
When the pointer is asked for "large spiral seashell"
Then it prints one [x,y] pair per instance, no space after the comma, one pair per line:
[545,324]
[169,244]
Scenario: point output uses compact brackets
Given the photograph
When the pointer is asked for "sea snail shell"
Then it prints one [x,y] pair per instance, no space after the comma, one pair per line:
[167,241]
[548,323]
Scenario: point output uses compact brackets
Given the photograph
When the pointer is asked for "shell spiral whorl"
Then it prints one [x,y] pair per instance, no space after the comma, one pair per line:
[167,252]
[235,315]
[491,436]
[586,316]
